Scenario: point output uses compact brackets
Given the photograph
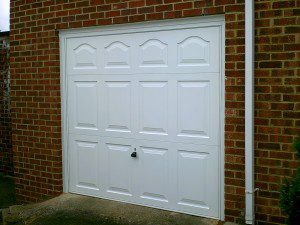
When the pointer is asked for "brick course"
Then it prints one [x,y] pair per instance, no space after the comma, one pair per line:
[35,89]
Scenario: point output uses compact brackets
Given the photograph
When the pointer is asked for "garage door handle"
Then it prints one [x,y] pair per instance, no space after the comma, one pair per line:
[133,154]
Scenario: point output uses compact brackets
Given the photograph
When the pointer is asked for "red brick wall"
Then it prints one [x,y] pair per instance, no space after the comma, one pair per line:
[36,90]
[277,106]
[6,155]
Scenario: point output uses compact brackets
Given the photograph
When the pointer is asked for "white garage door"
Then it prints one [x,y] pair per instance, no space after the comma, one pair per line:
[143,114]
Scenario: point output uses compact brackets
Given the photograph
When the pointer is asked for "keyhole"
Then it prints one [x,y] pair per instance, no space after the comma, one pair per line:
[134,154]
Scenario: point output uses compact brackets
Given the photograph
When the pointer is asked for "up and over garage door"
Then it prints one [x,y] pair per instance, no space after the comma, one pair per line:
[143,107]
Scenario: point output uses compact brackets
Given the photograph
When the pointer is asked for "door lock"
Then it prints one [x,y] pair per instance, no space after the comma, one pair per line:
[134,154]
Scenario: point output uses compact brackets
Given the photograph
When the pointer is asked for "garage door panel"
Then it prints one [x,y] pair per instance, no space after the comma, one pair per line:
[84,164]
[83,55]
[154,172]
[118,52]
[153,107]
[197,168]
[83,114]
[193,51]
[118,107]
[154,53]
[197,107]
[193,109]
[198,50]
[119,167]
[188,163]
[117,55]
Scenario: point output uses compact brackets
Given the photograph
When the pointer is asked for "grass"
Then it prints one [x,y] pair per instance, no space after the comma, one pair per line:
[7,191]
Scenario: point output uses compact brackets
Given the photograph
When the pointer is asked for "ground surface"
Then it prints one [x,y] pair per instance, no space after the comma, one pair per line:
[7,191]
[70,209]
[73,218]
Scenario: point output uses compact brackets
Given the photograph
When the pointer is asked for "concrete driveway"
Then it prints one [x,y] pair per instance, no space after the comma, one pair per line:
[71,209]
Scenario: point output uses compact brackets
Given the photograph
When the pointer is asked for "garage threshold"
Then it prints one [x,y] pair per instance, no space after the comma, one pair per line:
[74,209]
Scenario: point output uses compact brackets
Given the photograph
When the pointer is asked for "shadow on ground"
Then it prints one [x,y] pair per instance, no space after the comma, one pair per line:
[7,191]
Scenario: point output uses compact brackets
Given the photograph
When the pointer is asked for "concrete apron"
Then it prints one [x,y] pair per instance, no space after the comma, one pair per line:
[120,213]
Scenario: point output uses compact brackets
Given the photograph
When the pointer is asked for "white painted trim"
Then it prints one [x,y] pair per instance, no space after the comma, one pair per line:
[249,112]
[185,23]
[64,124]
[222,123]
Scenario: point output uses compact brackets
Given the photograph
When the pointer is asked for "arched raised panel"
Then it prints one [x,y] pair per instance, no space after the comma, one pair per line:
[154,53]
[117,55]
[85,57]
[193,51]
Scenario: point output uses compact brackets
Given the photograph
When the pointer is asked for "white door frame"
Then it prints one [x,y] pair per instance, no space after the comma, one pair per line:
[217,20]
